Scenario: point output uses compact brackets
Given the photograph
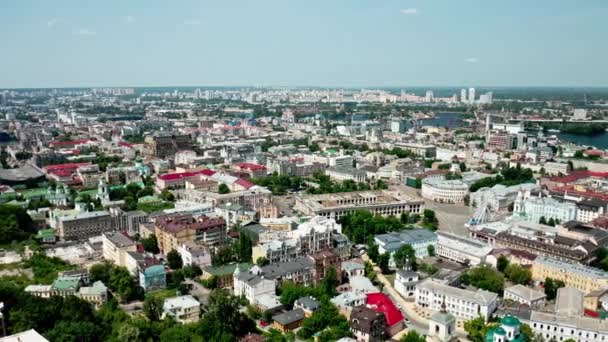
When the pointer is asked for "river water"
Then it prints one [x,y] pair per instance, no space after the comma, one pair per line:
[599,140]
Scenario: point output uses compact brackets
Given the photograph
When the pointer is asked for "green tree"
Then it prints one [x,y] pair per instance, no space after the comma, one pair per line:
[329,282]
[383,262]
[431,250]
[15,224]
[262,261]
[150,244]
[477,329]
[405,256]
[486,278]
[429,219]
[244,248]
[153,307]
[502,263]
[372,251]
[542,220]
[174,260]
[551,287]
[518,274]
[223,189]
[412,336]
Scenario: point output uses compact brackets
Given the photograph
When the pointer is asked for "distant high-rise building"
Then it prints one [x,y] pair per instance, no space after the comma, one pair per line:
[471,95]
[485,98]
[463,95]
[3,99]
[429,96]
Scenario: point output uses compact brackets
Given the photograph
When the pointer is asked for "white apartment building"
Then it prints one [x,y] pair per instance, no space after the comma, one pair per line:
[444,191]
[530,208]
[499,197]
[350,173]
[461,303]
[251,284]
[115,246]
[461,249]
[184,309]
[560,328]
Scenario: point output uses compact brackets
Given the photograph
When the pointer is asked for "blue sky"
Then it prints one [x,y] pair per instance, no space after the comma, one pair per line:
[57,43]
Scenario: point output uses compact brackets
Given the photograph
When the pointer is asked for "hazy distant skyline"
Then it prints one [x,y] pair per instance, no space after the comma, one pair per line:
[343,43]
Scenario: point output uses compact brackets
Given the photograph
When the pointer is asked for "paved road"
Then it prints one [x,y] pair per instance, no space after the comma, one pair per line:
[451,217]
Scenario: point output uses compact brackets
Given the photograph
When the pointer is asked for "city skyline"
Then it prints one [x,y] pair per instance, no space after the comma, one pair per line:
[406,43]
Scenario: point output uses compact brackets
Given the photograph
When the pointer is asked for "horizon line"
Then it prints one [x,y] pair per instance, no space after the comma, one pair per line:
[319,86]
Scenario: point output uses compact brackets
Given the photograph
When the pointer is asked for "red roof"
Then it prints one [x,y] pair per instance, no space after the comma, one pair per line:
[68,166]
[182,175]
[125,144]
[251,166]
[244,183]
[381,303]
[576,175]
[591,313]
[207,172]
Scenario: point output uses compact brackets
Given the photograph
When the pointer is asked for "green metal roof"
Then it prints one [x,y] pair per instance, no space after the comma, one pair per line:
[66,283]
[510,321]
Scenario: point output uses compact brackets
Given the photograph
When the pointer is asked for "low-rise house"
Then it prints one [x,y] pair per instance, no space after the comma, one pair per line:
[195,253]
[352,268]
[308,304]
[346,301]
[383,304]
[96,294]
[367,324]
[289,320]
[361,284]
[525,295]
[184,309]
[153,277]
[251,284]
[223,275]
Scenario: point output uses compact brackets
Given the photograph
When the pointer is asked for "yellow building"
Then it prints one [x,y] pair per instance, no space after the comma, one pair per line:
[581,277]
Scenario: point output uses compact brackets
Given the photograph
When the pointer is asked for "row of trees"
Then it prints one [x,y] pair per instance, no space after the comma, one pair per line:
[508,176]
[361,224]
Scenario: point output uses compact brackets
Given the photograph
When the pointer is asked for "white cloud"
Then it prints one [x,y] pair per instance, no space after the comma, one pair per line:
[54,22]
[472,60]
[85,32]
[192,22]
[130,19]
[409,11]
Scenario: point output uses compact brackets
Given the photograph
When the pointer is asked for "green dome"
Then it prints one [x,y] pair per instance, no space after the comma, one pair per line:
[510,321]
[495,331]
